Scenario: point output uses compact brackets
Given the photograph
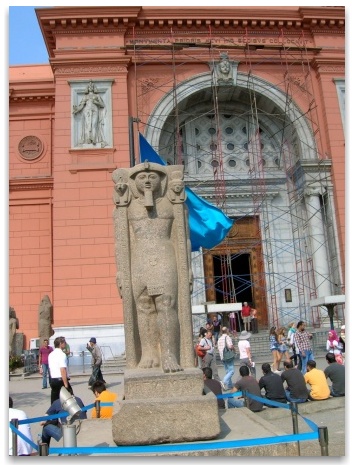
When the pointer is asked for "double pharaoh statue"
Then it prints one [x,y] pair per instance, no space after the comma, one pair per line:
[153,256]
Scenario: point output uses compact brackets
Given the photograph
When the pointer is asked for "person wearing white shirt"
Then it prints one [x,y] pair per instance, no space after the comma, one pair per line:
[244,349]
[209,359]
[58,368]
[23,447]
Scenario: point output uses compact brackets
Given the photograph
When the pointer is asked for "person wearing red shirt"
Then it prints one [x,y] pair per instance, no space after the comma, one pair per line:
[44,352]
[246,316]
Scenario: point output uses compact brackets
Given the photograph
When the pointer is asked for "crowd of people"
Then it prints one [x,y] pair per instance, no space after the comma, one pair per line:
[298,381]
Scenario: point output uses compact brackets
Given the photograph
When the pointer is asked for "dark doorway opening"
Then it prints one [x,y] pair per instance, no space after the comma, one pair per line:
[233,282]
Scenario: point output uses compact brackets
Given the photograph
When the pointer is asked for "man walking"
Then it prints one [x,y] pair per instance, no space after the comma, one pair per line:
[225,342]
[97,360]
[302,340]
[209,359]
[58,369]
[44,352]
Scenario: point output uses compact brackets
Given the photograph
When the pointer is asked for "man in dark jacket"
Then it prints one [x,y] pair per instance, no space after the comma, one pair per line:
[53,428]
[336,373]
[272,384]
[296,390]
[97,360]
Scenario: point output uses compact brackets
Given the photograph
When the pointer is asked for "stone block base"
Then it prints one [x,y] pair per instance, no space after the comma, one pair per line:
[165,408]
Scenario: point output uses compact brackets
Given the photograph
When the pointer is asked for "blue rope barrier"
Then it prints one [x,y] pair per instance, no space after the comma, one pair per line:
[180,447]
[185,447]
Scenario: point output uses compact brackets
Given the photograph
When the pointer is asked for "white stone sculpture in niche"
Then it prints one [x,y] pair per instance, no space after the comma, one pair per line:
[91,114]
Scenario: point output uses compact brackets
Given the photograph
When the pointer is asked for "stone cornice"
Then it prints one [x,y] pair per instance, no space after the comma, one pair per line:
[36,183]
[104,20]
[22,90]
[329,64]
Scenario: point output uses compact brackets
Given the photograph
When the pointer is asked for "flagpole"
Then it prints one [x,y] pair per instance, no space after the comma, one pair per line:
[132,120]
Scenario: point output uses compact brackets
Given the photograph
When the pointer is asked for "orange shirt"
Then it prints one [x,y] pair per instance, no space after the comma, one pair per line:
[319,386]
[105,412]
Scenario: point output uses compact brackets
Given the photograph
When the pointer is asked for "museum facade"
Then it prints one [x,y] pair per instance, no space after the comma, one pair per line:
[250,100]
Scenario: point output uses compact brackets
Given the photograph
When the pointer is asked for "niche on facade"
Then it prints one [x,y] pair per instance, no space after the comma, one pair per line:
[91,114]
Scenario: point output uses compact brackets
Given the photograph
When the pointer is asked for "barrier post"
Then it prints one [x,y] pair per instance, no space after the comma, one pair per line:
[97,407]
[43,449]
[294,411]
[245,398]
[14,421]
[323,440]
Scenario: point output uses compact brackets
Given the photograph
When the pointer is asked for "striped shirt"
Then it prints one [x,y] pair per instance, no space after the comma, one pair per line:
[221,344]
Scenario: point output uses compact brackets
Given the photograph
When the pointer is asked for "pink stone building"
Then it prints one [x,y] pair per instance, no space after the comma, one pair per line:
[250,100]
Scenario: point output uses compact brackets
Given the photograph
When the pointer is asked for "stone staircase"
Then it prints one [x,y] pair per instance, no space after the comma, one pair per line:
[259,346]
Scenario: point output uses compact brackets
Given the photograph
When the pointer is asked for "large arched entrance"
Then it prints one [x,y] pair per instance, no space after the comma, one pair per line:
[242,151]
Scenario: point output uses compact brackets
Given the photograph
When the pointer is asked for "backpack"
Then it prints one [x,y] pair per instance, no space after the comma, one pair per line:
[200,350]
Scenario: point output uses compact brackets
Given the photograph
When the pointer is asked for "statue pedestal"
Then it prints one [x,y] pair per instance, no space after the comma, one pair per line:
[165,408]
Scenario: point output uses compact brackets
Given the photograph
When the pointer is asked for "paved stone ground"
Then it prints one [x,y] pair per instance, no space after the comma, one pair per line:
[29,396]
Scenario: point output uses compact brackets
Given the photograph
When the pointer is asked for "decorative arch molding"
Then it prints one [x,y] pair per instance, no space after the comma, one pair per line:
[262,87]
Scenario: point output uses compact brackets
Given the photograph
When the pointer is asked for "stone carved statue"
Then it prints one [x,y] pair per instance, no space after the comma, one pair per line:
[224,68]
[154,270]
[45,320]
[92,109]
[13,326]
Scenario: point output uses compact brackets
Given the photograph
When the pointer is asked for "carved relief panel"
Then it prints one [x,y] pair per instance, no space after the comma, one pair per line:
[91,119]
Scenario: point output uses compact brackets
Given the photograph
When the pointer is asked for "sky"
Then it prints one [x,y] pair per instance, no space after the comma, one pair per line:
[26,43]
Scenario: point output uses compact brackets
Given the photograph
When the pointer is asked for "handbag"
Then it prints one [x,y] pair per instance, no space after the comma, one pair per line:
[200,351]
[227,354]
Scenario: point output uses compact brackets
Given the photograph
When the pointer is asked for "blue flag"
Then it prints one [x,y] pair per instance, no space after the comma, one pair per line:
[208,224]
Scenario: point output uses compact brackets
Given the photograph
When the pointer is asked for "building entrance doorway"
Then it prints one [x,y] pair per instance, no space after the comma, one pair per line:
[239,284]
[234,270]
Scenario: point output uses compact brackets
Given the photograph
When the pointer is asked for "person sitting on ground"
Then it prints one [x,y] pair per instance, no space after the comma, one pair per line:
[250,384]
[52,428]
[212,385]
[102,394]
[296,390]
[272,384]
[336,373]
[317,381]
